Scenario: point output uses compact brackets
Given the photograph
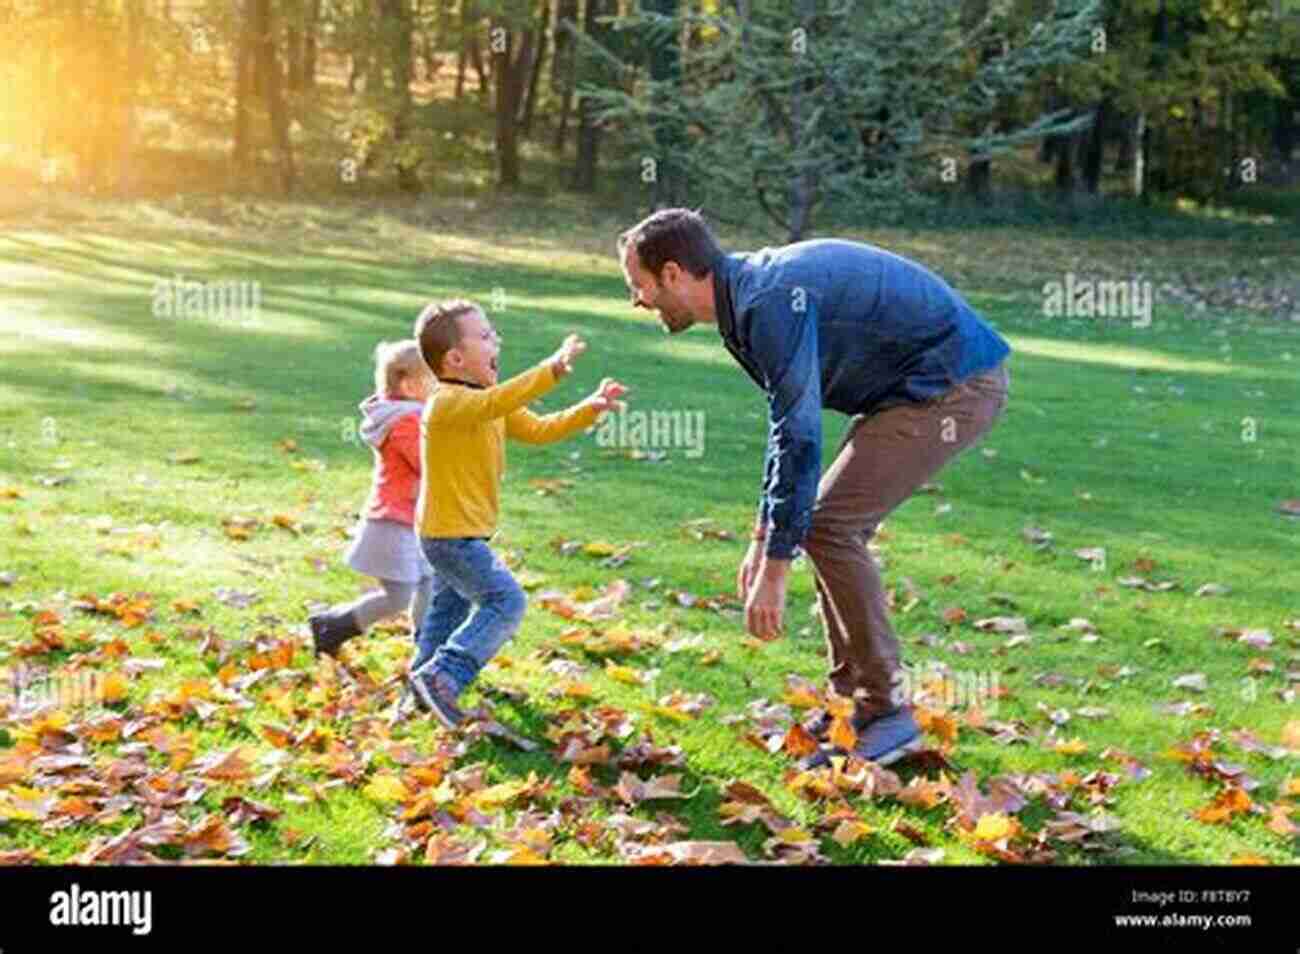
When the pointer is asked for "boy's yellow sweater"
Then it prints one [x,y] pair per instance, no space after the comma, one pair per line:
[462,445]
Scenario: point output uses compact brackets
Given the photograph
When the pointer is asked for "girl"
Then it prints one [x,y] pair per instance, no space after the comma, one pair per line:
[386,546]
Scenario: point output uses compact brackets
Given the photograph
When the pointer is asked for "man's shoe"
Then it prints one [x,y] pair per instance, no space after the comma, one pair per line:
[889,737]
[329,633]
[434,692]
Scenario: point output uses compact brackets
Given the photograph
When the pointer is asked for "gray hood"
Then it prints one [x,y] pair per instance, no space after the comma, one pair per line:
[379,414]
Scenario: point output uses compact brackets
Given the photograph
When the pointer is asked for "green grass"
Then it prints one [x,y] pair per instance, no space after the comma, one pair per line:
[1147,424]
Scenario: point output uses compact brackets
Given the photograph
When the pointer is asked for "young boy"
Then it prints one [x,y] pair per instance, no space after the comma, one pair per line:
[462,444]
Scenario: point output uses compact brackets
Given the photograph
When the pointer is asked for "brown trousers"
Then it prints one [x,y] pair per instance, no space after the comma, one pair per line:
[885,457]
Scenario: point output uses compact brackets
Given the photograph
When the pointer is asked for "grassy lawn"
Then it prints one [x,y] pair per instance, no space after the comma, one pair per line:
[136,451]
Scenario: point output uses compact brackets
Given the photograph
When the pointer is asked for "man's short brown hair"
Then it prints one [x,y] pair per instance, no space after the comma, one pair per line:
[672,235]
[438,329]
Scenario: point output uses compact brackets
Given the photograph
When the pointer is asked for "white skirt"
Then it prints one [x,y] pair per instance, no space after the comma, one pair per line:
[388,550]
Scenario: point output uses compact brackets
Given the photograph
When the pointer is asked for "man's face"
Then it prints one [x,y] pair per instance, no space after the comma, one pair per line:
[666,298]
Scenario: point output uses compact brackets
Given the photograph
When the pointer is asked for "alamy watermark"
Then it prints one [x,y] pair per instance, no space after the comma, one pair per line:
[1088,298]
[653,430]
[220,301]
[27,689]
[936,684]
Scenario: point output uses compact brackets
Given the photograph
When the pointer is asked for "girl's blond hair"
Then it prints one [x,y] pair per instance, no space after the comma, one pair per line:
[395,360]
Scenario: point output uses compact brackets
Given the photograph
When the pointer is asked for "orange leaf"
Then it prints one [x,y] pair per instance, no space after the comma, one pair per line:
[842,734]
[798,742]
[1231,801]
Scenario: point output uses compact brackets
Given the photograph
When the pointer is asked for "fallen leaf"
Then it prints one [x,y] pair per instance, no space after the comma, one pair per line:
[1230,801]
[849,832]
[1195,681]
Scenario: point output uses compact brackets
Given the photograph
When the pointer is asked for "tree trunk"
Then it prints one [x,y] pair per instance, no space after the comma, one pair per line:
[398,14]
[130,73]
[585,162]
[245,71]
[803,186]
[293,54]
[310,48]
[670,138]
[563,66]
[530,100]
[1065,176]
[469,26]
[511,67]
[1094,147]
[1127,148]
[1140,138]
[274,94]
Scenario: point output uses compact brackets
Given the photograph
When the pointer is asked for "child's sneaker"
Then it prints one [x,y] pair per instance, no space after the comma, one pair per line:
[434,692]
[329,632]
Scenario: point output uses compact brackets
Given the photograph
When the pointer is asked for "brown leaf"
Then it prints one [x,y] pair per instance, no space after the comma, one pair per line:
[1279,821]
[688,853]
[914,835]
[227,766]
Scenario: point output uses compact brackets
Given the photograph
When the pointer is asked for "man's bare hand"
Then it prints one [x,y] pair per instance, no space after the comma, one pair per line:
[765,606]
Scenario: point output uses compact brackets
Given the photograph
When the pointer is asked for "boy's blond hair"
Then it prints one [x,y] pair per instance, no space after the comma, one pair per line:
[394,361]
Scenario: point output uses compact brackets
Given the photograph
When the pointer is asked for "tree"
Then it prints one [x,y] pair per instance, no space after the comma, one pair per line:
[767,100]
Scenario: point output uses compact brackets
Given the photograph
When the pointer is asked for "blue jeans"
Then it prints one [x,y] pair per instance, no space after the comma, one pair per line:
[466,573]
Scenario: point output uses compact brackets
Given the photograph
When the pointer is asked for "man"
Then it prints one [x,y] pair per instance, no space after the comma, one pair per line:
[850,327]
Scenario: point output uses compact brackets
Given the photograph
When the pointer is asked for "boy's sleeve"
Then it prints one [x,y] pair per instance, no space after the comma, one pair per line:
[405,436]
[458,406]
[524,425]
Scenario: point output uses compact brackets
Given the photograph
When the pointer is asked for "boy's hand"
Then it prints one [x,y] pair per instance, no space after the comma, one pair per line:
[562,360]
[606,397]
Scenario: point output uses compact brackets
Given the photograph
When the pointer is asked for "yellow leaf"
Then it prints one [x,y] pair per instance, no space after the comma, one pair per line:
[11,493]
[497,796]
[794,836]
[187,456]
[675,714]
[578,690]
[1251,860]
[386,788]
[801,697]
[113,688]
[1073,747]
[994,826]
[524,856]
[1292,786]
[286,522]
[624,674]
[1291,735]
[711,657]
[599,548]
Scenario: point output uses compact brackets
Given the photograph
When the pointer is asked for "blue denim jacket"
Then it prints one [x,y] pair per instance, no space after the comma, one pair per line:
[843,325]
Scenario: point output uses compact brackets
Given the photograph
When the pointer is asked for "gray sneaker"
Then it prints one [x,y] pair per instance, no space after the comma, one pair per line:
[889,737]
[434,692]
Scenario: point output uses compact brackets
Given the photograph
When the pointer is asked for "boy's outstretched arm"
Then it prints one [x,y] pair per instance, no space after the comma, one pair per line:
[456,406]
[524,425]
